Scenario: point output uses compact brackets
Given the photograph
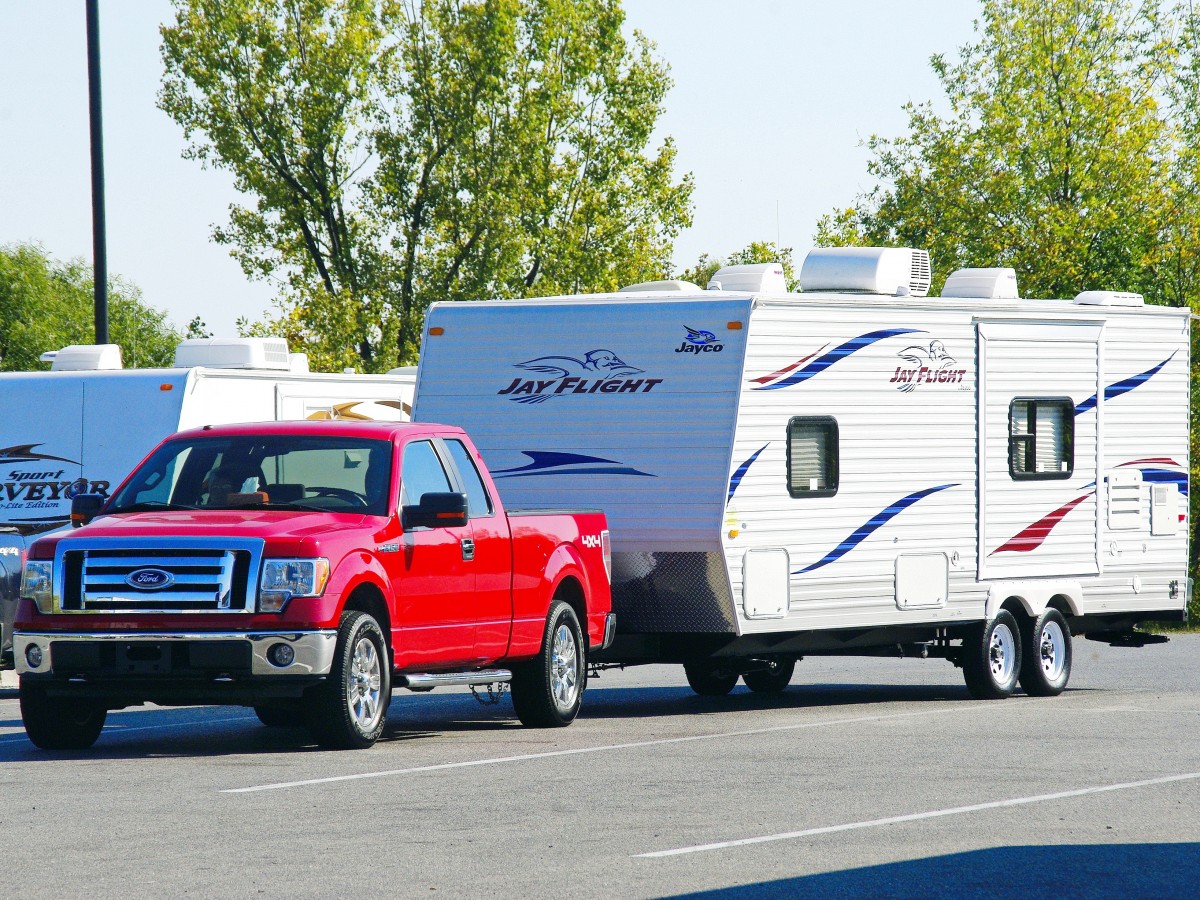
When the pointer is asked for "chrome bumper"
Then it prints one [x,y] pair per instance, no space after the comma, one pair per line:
[314,649]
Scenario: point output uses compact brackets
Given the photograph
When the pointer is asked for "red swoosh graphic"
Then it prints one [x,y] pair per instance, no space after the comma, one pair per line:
[786,369]
[1031,538]
[1159,460]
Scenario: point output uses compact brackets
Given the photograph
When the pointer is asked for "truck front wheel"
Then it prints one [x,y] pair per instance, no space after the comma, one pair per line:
[348,711]
[548,691]
[60,723]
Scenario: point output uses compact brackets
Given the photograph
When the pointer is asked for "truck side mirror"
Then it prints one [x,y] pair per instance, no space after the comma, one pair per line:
[84,508]
[436,510]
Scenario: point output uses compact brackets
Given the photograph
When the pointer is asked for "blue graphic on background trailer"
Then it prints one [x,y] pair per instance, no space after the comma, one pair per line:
[1122,387]
[548,462]
[736,478]
[876,521]
[598,371]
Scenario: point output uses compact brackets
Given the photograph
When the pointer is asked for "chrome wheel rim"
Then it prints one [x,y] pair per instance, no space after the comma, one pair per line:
[363,695]
[1002,654]
[1052,651]
[564,669]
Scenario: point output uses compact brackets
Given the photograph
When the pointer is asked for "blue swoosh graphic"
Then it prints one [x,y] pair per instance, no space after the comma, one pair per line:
[863,531]
[822,363]
[736,478]
[1122,387]
[1165,476]
[549,462]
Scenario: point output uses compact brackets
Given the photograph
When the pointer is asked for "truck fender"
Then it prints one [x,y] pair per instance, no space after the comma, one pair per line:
[355,570]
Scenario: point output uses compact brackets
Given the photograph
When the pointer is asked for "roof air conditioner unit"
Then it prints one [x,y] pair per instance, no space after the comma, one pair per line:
[234,353]
[83,358]
[758,278]
[982,284]
[647,287]
[1110,298]
[892,271]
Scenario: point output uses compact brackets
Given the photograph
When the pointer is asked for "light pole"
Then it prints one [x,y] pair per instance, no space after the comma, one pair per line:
[99,246]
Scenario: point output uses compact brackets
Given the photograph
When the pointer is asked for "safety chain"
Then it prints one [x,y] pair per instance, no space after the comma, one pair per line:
[494,692]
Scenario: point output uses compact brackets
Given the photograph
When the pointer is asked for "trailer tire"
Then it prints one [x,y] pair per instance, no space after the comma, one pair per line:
[547,691]
[1046,654]
[992,657]
[706,680]
[60,723]
[349,710]
[772,680]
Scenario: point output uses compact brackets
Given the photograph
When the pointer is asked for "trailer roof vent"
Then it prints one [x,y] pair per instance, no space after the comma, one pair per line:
[83,358]
[758,278]
[892,271]
[982,284]
[644,287]
[233,353]
[1110,298]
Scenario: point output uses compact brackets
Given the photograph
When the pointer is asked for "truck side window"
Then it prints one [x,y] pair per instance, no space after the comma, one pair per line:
[812,456]
[421,473]
[478,501]
[1041,438]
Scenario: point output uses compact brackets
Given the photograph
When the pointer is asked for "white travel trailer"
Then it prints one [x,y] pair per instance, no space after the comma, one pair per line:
[857,469]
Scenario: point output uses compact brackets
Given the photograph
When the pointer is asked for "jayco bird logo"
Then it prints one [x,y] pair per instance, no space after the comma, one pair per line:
[597,372]
[697,341]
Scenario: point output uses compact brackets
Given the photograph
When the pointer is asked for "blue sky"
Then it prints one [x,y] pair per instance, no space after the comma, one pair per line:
[772,100]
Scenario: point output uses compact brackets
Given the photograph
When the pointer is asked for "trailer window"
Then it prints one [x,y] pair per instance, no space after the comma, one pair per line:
[1041,438]
[812,456]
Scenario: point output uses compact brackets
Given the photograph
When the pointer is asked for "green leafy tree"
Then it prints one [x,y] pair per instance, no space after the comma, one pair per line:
[46,305]
[754,252]
[400,152]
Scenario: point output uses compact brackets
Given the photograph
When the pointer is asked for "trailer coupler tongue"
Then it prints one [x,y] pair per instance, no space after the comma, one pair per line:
[1129,638]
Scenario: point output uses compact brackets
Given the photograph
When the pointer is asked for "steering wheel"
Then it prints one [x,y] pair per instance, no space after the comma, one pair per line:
[350,497]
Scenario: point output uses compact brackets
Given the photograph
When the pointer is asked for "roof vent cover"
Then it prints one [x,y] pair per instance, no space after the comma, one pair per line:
[892,271]
[233,353]
[759,278]
[1110,298]
[647,287]
[84,358]
[982,284]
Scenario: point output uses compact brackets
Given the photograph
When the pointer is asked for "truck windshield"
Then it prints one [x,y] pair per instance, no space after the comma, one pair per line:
[273,472]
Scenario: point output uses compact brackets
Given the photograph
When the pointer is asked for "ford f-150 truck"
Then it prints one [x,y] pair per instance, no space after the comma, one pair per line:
[305,569]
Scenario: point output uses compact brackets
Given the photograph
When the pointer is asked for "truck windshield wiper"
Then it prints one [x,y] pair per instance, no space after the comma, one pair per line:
[146,505]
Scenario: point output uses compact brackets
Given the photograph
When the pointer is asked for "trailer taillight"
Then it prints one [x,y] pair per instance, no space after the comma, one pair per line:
[606,550]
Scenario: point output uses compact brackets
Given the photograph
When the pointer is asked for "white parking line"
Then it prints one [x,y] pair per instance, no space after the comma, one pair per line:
[916,817]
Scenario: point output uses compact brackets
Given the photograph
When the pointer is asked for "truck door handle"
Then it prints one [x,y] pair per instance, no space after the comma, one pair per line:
[468,549]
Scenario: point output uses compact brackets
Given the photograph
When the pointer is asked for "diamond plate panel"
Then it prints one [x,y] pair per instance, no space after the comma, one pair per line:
[677,592]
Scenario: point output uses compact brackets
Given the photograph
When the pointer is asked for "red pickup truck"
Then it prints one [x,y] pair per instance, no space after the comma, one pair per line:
[305,569]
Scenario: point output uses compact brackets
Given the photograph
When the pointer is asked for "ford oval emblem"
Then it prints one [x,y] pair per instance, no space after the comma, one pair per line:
[149,579]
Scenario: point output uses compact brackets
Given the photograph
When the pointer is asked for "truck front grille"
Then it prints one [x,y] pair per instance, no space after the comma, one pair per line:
[178,578]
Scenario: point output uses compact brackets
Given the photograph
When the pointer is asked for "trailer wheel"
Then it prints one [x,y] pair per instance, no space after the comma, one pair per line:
[771,680]
[706,680]
[348,711]
[992,658]
[547,691]
[60,723]
[1046,654]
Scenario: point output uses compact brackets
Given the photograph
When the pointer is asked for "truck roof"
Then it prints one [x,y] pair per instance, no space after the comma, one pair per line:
[338,427]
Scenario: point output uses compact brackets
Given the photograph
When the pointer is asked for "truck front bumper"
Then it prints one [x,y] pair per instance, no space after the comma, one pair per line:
[210,655]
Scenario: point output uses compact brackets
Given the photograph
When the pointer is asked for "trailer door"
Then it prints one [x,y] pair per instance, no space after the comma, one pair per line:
[1038,442]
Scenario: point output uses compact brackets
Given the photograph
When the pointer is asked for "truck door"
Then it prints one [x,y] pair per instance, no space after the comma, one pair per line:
[1038,445]
[432,577]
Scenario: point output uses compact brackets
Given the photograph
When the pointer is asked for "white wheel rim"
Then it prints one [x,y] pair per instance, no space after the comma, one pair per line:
[1052,651]
[1001,654]
[564,669]
[363,685]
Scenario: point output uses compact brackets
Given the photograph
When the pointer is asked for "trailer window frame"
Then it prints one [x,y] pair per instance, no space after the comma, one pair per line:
[1028,438]
[830,463]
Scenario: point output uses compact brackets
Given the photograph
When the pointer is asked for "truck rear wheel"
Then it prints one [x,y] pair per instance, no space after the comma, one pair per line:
[1045,654]
[547,691]
[349,710]
[771,680]
[992,657]
[60,723]
[706,680]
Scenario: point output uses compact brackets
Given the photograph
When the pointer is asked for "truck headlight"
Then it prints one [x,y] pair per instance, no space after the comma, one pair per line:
[37,582]
[283,579]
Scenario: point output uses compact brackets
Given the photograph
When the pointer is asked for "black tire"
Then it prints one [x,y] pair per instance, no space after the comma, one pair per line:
[772,680]
[706,680]
[1045,654]
[991,658]
[282,715]
[60,723]
[349,710]
[548,691]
